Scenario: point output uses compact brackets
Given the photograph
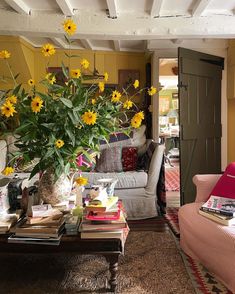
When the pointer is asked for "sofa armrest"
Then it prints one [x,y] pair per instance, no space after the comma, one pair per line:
[204,185]
[154,169]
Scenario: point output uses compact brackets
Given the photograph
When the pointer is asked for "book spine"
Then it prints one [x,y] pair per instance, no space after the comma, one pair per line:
[227,213]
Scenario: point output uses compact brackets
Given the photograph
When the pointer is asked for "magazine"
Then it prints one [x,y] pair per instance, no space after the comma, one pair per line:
[219,218]
[220,205]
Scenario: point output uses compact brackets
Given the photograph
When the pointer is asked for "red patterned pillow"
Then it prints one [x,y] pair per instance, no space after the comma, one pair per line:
[129,158]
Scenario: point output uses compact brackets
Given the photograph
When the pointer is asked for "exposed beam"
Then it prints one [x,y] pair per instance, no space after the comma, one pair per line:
[156,7]
[199,7]
[60,43]
[176,41]
[98,27]
[19,6]
[112,7]
[86,44]
[116,44]
[65,7]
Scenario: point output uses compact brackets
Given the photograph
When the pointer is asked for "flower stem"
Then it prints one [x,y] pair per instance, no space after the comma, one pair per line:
[12,76]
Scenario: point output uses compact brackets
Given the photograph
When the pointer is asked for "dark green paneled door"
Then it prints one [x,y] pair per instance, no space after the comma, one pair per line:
[200,117]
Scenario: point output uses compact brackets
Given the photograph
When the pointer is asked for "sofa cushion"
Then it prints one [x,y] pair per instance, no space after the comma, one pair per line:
[225,187]
[126,180]
[110,160]
[129,158]
[145,159]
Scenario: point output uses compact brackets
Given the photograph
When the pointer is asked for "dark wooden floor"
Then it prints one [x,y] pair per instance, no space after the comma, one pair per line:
[157,224]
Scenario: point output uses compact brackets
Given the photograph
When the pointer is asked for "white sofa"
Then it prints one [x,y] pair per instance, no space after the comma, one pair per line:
[137,189]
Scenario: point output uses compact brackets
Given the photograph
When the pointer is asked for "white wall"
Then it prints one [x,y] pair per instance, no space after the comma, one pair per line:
[220,50]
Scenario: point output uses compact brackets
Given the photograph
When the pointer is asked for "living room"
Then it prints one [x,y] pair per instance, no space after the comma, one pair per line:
[130,41]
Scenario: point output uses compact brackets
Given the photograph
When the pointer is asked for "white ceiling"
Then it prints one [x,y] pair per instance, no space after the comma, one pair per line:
[120,25]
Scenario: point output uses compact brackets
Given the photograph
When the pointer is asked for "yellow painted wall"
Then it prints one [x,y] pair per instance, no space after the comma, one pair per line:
[231,100]
[30,62]
[21,61]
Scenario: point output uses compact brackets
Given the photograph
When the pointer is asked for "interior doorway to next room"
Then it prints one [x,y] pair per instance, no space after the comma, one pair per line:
[169,127]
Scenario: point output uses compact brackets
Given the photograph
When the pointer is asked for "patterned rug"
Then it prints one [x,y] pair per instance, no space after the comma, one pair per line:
[171,217]
[203,281]
[172,179]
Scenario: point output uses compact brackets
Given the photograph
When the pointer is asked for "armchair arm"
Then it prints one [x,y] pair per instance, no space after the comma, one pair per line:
[154,169]
[204,185]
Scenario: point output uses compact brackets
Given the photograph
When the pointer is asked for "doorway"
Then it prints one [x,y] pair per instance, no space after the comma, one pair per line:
[169,127]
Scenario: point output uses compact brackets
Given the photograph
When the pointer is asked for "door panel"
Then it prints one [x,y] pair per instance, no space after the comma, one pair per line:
[200,117]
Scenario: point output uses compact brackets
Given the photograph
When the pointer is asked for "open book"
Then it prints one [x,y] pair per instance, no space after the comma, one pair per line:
[220,205]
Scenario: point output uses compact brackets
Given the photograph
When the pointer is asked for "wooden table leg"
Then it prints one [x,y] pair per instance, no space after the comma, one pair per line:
[112,259]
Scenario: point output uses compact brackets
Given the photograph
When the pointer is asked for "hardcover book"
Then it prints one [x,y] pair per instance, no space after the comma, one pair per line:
[219,218]
[220,205]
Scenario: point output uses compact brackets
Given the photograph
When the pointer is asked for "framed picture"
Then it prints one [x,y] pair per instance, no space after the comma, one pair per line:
[58,72]
[164,104]
[174,95]
[175,103]
[126,79]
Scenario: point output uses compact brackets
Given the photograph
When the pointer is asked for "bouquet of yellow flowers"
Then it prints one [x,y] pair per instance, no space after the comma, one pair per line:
[67,120]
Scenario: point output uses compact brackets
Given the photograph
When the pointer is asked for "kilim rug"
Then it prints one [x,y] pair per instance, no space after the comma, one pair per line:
[172,179]
[171,217]
[203,281]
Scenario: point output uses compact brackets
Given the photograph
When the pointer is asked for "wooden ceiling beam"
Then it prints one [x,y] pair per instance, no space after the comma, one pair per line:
[200,7]
[112,7]
[156,7]
[86,44]
[116,45]
[19,6]
[65,7]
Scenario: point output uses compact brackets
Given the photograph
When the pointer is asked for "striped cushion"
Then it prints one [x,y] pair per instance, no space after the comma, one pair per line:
[145,159]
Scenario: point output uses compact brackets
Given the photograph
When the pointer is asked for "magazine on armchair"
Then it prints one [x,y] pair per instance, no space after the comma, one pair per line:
[220,205]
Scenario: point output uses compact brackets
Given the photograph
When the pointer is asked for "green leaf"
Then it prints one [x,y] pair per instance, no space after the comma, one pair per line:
[16,90]
[49,153]
[35,170]
[67,168]
[65,71]
[71,136]
[67,102]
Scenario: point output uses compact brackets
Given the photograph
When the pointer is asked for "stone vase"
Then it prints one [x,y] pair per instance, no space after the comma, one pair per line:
[51,191]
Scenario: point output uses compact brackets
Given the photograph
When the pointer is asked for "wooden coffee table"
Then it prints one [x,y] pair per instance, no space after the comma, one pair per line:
[109,248]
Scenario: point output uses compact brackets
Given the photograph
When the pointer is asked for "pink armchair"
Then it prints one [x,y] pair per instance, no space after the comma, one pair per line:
[204,240]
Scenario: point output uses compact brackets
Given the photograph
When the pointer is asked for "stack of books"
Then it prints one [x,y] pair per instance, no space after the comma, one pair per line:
[104,219]
[45,226]
[220,210]
[7,220]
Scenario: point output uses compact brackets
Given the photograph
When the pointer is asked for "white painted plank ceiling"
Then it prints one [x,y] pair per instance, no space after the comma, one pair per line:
[120,25]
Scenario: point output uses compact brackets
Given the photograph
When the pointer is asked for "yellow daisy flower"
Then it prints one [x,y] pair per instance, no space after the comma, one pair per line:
[75,73]
[85,63]
[127,104]
[101,87]
[89,117]
[48,50]
[4,54]
[12,99]
[136,84]
[116,96]
[31,82]
[36,104]
[136,122]
[59,143]
[69,27]
[106,77]
[140,115]
[8,109]
[8,170]
[93,101]
[50,78]
[81,181]
[152,91]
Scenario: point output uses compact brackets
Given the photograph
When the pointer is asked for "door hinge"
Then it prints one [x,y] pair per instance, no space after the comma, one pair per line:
[181,85]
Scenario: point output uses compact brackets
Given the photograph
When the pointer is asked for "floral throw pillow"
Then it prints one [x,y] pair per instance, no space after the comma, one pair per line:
[129,158]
